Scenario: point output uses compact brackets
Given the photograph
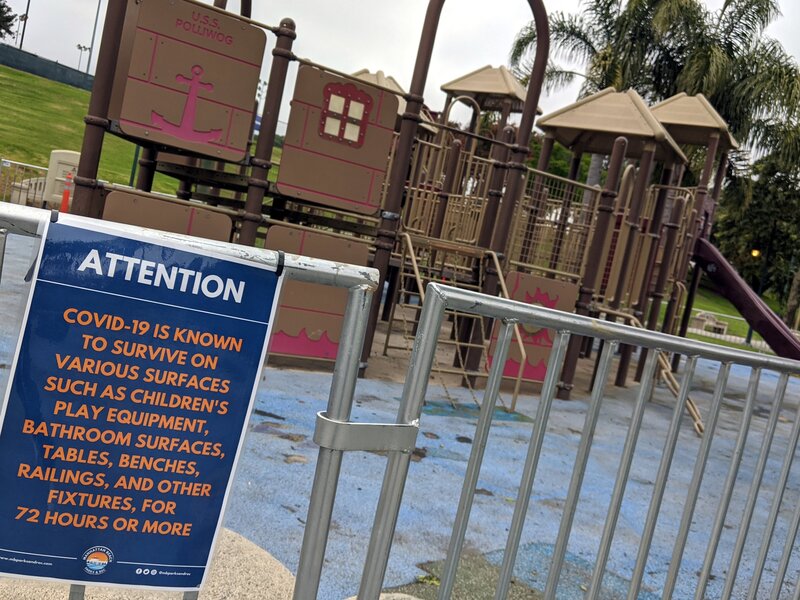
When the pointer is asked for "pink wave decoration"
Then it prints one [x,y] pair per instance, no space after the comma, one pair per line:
[540,297]
[541,338]
[304,346]
[529,373]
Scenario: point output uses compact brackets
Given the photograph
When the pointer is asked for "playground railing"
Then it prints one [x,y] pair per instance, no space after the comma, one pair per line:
[21,183]
[692,518]
[553,224]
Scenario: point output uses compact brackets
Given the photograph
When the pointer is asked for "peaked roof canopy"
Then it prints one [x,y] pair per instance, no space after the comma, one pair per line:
[490,87]
[593,123]
[387,81]
[691,119]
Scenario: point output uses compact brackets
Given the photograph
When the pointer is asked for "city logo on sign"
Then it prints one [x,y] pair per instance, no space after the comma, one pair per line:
[96,560]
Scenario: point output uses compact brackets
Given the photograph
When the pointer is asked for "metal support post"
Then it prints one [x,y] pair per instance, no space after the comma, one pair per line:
[262,161]
[604,226]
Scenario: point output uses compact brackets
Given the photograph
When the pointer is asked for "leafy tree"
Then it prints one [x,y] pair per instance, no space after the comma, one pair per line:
[762,213]
[7,19]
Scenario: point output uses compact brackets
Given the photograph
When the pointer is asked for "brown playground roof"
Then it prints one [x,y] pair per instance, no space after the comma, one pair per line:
[490,86]
[592,124]
[691,119]
[381,79]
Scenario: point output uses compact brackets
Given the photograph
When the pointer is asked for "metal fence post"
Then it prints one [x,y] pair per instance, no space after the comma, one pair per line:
[326,478]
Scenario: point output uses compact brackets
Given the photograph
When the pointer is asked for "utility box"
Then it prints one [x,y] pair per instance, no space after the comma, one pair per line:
[62,162]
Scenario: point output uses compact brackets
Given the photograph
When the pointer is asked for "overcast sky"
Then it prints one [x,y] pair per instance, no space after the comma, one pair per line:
[353,34]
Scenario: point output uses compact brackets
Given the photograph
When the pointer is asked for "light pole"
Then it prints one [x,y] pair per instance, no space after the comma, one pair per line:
[94,32]
[24,19]
[762,277]
[81,49]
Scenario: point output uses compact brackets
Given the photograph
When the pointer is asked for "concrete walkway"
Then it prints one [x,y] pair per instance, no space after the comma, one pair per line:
[240,569]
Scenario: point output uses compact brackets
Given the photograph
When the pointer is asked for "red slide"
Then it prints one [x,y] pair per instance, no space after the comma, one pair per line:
[760,317]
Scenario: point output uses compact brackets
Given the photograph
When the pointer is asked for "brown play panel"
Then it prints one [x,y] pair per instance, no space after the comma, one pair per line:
[186,77]
[337,143]
[147,210]
[309,319]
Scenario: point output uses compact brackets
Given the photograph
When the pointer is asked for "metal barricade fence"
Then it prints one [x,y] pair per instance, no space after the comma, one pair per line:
[440,298]
[21,183]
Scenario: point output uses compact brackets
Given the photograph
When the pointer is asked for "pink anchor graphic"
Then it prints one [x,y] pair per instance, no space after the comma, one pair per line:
[186,130]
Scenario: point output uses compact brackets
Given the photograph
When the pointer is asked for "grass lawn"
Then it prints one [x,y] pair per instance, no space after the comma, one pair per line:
[40,115]
[709,301]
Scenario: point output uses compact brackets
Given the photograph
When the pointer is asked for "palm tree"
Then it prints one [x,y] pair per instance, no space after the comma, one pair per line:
[598,40]
[604,40]
[662,47]
[724,54]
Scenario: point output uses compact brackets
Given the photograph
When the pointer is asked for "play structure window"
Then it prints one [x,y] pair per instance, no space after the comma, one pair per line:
[345,114]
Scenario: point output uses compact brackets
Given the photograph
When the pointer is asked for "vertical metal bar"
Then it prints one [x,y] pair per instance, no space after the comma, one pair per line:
[787,551]
[531,462]
[394,478]
[579,469]
[262,161]
[626,460]
[697,480]
[475,459]
[3,236]
[326,477]
[730,482]
[664,466]
[769,527]
[191,595]
[84,201]
[76,592]
[755,485]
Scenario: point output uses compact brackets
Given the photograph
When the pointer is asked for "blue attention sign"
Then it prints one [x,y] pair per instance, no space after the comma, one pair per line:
[126,407]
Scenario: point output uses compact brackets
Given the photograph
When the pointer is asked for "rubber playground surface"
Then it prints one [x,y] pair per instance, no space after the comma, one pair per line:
[269,499]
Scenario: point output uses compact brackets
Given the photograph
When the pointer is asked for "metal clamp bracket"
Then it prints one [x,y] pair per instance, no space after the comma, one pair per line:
[369,437]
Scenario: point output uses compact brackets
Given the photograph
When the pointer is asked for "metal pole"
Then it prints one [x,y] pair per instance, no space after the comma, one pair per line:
[94,33]
[699,203]
[394,478]
[134,164]
[262,161]
[531,463]
[762,277]
[657,296]
[605,213]
[97,120]
[147,169]
[76,592]
[480,439]
[3,236]
[519,154]
[25,24]
[499,160]
[326,478]
[637,201]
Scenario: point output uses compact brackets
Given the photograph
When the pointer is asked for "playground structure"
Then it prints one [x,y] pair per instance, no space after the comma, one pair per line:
[368,176]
